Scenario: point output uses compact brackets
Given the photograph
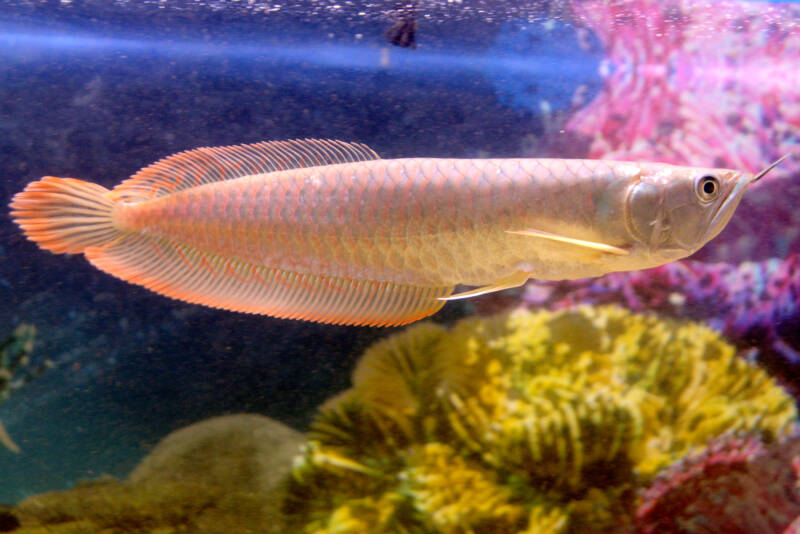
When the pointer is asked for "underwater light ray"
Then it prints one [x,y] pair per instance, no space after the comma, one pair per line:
[15,42]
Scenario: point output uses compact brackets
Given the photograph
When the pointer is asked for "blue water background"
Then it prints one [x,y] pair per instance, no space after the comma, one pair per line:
[97,90]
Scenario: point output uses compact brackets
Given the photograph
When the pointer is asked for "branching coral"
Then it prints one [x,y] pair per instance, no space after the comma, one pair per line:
[528,422]
[691,82]
[674,90]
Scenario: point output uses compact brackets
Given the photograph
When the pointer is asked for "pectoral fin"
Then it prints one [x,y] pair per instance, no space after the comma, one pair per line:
[514,280]
[601,247]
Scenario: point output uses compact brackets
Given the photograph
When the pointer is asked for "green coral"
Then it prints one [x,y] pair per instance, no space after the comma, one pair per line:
[15,359]
[527,422]
[16,370]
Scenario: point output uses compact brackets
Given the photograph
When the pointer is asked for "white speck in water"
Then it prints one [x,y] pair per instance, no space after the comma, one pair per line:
[544,107]
[677,299]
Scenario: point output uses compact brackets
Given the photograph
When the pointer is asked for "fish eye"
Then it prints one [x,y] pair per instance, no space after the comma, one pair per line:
[707,188]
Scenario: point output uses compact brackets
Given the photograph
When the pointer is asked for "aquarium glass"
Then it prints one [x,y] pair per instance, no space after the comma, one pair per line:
[659,397]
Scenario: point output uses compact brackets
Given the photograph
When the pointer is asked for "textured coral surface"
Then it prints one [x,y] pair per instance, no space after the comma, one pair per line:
[737,486]
[528,422]
[755,305]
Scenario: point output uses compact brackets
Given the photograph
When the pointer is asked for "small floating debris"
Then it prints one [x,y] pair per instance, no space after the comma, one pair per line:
[404,31]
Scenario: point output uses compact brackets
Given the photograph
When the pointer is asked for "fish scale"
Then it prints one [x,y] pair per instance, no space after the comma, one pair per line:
[327,231]
[302,228]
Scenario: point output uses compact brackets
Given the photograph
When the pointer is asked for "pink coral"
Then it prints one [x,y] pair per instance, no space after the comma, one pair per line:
[689,80]
[703,83]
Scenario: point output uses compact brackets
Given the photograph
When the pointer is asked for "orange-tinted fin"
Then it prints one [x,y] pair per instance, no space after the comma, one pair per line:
[599,247]
[6,440]
[185,273]
[65,215]
[193,168]
[514,280]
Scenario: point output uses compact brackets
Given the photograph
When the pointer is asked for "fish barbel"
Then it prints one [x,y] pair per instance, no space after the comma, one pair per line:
[327,231]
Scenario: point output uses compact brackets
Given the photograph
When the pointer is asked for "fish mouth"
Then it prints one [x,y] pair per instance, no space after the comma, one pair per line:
[728,206]
[725,210]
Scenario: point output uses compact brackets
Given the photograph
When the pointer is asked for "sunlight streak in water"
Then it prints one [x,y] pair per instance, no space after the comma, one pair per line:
[25,44]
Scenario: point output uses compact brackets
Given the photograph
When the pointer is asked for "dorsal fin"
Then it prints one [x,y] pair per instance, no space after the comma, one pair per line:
[192,168]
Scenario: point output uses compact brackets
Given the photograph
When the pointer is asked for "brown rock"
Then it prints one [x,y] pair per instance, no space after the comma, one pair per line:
[220,475]
[240,452]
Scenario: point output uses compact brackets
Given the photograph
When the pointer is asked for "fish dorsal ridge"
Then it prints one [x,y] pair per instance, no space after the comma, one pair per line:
[200,166]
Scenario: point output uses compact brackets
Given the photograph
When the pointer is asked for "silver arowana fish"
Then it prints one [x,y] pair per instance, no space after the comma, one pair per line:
[327,231]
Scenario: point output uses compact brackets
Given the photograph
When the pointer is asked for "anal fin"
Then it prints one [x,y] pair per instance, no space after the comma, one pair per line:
[599,247]
[186,273]
[513,280]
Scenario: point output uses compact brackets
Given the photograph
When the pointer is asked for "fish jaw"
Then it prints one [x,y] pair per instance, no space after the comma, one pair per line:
[667,255]
[726,209]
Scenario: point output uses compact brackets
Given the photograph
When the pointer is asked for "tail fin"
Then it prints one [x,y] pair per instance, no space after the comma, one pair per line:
[65,215]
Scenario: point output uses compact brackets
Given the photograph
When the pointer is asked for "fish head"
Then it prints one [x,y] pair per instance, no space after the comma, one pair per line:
[673,211]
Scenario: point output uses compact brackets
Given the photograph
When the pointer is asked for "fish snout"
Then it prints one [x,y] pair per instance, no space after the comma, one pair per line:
[734,188]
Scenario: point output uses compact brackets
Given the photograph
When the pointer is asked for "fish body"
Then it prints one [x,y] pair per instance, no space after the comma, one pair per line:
[416,221]
[328,231]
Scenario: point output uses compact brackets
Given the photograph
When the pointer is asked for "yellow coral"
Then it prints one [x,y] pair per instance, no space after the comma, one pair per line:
[450,494]
[357,516]
[525,422]
[544,519]
[679,383]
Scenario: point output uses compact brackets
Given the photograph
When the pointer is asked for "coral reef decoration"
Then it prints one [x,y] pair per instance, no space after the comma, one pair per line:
[737,485]
[687,79]
[755,305]
[224,474]
[17,369]
[703,83]
[525,422]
